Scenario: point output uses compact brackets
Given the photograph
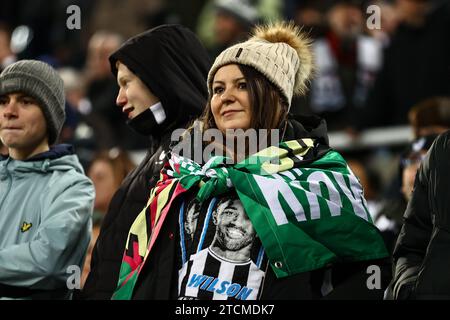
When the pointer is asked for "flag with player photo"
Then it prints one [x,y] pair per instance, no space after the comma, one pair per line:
[305,204]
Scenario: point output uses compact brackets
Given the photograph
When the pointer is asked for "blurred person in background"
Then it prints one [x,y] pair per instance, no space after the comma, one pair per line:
[421,255]
[101,44]
[41,29]
[85,129]
[431,116]
[135,16]
[410,162]
[232,23]
[161,75]
[77,104]
[428,119]
[389,219]
[7,57]
[310,15]
[347,63]
[371,183]
[227,22]
[416,64]
[389,18]
[107,171]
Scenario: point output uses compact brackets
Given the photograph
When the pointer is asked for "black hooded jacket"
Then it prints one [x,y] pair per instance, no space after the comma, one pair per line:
[173,64]
[158,278]
[422,252]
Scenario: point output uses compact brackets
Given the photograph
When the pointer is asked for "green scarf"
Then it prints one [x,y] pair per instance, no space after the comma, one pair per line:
[308,209]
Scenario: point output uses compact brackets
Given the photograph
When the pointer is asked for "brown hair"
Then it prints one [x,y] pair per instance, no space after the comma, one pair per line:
[430,113]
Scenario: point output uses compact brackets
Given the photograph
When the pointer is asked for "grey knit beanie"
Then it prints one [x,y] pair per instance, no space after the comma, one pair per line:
[42,82]
[280,51]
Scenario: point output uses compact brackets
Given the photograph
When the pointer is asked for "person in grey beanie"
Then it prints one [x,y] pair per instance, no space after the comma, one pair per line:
[41,82]
[46,200]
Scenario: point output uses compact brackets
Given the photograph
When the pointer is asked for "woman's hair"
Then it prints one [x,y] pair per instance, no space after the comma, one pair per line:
[429,113]
[267,108]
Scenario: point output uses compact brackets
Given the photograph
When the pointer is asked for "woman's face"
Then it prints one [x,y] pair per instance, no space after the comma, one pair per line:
[102,175]
[230,102]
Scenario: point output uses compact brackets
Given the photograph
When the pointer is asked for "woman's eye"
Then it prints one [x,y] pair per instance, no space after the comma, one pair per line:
[217,90]
[242,85]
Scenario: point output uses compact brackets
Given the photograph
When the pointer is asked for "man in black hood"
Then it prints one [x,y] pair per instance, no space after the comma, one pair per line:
[162,78]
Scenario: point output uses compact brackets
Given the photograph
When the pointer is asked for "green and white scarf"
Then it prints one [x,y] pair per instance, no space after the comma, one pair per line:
[308,210]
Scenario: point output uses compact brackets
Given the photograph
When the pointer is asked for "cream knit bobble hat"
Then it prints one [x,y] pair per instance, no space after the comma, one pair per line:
[280,51]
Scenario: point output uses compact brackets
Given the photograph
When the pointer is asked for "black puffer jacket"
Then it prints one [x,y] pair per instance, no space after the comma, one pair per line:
[422,253]
[159,277]
[173,64]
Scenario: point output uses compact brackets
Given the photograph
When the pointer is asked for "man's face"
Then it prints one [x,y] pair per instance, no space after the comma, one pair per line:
[22,124]
[234,229]
[134,97]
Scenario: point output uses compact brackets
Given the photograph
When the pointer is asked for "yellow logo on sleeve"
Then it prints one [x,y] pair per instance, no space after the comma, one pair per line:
[25,226]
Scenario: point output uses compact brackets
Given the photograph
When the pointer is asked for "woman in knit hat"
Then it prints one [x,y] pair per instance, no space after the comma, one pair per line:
[288,221]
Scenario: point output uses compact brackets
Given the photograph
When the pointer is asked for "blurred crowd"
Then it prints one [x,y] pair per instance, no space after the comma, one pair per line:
[397,73]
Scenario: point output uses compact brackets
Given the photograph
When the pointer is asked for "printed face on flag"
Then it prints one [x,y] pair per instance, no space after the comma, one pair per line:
[234,229]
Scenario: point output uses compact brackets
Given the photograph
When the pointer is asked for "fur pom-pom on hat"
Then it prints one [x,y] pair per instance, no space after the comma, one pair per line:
[280,51]
[292,35]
